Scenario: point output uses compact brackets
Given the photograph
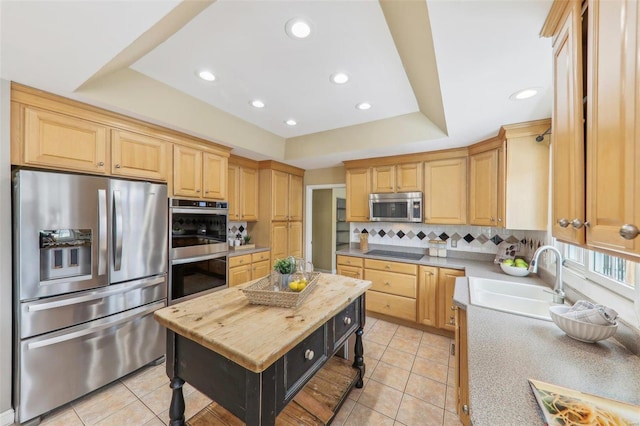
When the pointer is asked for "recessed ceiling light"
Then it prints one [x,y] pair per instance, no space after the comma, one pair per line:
[206,75]
[339,78]
[524,94]
[298,28]
[290,122]
[257,103]
[363,106]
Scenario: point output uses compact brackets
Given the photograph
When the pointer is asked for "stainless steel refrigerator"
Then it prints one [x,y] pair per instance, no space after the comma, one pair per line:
[90,267]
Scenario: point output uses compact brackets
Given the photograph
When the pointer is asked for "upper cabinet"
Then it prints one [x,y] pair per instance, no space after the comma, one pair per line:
[605,93]
[358,182]
[286,192]
[243,189]
[49,131]
[445,190]
[397,178]
[509,178]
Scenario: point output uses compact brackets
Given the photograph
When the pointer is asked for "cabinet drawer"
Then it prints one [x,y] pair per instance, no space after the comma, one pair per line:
[350,271]
[383,265]
[350,261]
[260,269]
[245,259]
[389,304]
[392,283]
[345,323]
[258,257]
[304,360]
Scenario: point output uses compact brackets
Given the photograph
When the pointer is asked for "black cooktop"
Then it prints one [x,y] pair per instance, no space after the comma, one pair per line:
[398,254]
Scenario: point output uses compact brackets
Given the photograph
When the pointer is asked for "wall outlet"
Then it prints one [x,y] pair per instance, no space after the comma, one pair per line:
[454,243]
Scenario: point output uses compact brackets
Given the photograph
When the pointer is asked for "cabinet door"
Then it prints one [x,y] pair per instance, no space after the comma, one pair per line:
[613,85]
[358,188]
[187,171]
[428,295]
[214,174]
[409,177]
[383,179]
[446,308]
[350,271]
[445,191]
[483,188]
[279,195]
[568,189]
[260,269]
[138,156]
[295,197]
[57,140]
[279,239]
[295,239]
[234,192]
[248,194]
[239,275]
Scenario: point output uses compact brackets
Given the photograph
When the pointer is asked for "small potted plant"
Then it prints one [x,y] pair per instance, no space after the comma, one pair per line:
[285,267]
[247,238]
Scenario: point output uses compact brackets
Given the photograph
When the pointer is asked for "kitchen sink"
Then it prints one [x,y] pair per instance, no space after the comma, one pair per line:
[514,298]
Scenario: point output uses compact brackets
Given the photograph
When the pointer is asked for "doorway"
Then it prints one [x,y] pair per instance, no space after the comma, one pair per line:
[324,225]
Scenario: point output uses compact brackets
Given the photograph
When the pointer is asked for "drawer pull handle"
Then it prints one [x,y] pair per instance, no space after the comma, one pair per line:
[387,283]
[465,409]
[453,307]
[347,321]
[101,163]
[308,354]
[452,321]
[388,306]
[387,267]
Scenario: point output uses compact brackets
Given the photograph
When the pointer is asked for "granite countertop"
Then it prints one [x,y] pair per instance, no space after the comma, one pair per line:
[256,249]
[505,350]
[255,336]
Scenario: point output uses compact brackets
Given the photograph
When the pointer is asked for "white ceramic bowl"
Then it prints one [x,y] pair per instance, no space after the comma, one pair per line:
[512,270]
[583,331]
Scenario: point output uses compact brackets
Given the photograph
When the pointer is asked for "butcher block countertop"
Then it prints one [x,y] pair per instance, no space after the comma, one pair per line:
[255,336]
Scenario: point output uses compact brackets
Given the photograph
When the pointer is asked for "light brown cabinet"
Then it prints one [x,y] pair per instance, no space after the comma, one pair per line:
[199,174]
[350,266]
[445,191]
[286,239]
[462,367]
[140,156]
[428,296]
[484,190]
[243,190]
[358,188]
[394,288]
[397,178]
[446,308]
[248,267]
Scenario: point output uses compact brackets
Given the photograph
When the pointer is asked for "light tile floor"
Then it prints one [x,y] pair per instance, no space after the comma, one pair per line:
[409,381]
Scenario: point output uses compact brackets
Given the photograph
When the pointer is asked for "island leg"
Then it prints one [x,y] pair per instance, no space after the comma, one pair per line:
[359,359]
[176,409]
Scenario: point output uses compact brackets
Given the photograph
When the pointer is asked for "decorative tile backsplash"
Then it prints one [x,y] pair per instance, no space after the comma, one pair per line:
[236,229]
[479,239]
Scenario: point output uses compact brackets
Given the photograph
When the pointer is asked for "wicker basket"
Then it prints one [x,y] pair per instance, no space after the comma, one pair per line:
[262,293]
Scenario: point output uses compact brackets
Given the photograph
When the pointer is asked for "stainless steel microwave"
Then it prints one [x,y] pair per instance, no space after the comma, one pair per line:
[396,207]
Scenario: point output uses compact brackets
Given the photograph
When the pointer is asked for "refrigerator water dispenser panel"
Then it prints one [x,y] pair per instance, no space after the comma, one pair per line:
[64,253]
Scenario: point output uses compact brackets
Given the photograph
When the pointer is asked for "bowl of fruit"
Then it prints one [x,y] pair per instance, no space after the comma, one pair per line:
[515,267]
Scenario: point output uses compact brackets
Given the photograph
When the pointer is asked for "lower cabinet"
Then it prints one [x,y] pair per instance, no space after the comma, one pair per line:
[427,296]
[394,288]
[248,267]
[446,308]
[350,266]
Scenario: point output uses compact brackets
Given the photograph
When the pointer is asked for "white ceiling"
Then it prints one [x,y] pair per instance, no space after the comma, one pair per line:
[484,51]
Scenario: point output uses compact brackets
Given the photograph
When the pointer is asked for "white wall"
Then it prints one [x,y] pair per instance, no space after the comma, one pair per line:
[6,414]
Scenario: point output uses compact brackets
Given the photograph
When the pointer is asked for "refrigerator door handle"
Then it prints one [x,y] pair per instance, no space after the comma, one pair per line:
[117,229]
[120,321]
[102,232]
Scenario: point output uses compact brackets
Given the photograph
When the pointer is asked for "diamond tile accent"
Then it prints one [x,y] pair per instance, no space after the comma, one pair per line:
[512,240]
[372,231]
[482,239]
[234,229]
[421,235]
[496,239]
[356,231]
[410,235]
[390,233]
[468,238]
[364,231]
[432,235]
[443,236]
[241,229]
[381,233]
[456,237]
[400,234]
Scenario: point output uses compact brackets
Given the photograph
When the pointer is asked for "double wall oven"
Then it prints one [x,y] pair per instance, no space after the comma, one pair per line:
[199,250]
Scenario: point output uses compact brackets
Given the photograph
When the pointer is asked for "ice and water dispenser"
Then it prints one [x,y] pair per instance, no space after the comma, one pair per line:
[65,253]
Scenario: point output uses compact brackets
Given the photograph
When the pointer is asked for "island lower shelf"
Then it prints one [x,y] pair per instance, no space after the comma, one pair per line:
[317,403]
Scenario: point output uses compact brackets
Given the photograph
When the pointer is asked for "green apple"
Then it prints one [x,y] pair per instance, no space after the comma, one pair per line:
[522,265]
[508,262]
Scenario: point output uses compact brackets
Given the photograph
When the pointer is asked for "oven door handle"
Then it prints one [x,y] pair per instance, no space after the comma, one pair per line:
[198,258]
[207,211]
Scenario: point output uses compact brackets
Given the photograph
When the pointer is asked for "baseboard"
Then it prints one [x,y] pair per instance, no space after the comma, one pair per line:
[7,418]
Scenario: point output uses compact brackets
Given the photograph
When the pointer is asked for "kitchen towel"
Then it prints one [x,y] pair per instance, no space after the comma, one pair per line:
[588,312]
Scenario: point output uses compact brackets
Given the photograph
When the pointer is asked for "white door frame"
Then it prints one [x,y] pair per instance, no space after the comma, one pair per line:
[308,216]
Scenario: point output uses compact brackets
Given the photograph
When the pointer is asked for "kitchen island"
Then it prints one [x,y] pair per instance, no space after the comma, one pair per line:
[253,359]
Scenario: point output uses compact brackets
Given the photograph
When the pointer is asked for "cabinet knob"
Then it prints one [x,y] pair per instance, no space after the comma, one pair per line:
[629,232]
[387,266]
[499,219]
[563,223]
[452,307]
[577,223]
[308,354]
[347,321]
[387,283]
[101,163]
[117,166]
[198,191]
[388,306]
[492,219]
[452,321]
[207,191]
[465,409]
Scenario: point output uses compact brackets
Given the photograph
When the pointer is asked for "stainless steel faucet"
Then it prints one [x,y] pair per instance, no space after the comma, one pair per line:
[558,291]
